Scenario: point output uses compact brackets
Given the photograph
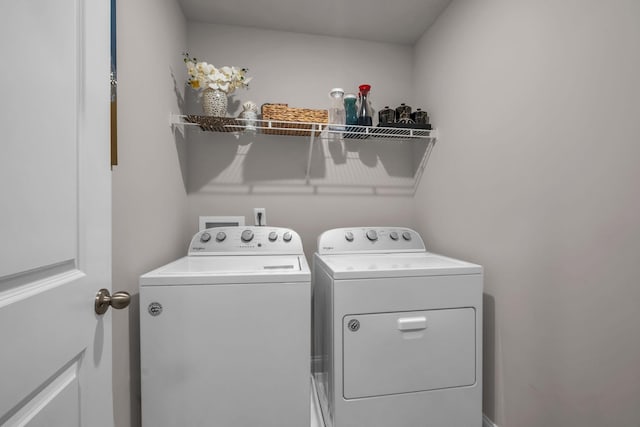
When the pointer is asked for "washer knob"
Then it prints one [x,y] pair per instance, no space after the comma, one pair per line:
[394,235]
[406,235]
[372,235]
[287,236]
[349,236]
[247,236]
[221,236]
[205,237]
[273,236]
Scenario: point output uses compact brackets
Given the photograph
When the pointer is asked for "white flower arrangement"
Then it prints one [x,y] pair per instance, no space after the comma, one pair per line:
[203,75]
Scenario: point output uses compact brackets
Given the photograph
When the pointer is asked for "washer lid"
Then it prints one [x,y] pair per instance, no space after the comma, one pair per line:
[356,266]
[207,270]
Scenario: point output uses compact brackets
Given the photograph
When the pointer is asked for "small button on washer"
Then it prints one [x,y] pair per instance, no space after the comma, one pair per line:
[287,236]
[372,235]
[406,235]
[205,237]
[221,236]
[349,236]
[393,235]
[273,236]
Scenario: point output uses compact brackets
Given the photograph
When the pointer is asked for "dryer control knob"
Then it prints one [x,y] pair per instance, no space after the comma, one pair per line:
[287,236]
[273,236]
[205,237]
[372,235]
[221,236]
[394,235]
[406,235]
[349,236]
[246,236]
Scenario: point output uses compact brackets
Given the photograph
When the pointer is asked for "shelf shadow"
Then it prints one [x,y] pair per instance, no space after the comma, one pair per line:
[241,163]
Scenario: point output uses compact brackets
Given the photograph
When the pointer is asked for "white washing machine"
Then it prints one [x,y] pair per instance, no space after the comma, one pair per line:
[397,332]
[225,332]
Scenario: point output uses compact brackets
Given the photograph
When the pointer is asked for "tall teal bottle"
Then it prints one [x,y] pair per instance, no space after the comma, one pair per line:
[351,109]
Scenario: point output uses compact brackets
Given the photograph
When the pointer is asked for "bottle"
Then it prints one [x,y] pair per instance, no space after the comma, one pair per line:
[403,113]
[364,109]
[351,109]
[249,115]
[420,117]
[386,116]
[337,110]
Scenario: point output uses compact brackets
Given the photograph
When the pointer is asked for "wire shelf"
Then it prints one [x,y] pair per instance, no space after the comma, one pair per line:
[286,128]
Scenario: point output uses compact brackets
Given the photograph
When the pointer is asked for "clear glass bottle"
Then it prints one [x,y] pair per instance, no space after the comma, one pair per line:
[337,111]
[364,108]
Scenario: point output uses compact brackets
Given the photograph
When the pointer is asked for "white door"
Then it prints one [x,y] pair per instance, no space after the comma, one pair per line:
[55,232]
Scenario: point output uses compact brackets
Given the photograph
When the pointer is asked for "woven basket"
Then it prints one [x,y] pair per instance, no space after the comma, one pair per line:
[287,118]
[216,124]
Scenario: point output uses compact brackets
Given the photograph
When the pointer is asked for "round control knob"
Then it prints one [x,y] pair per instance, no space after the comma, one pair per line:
[393,235]
[287,236]
[221,236]
[372,235]
[205,237]
[273,236]
[349,236]
[246,236]
[406,235]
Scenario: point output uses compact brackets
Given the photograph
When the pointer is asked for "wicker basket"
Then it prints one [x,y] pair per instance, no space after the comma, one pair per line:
[285,118]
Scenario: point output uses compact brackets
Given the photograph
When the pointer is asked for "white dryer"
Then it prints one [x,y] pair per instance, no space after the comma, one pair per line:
[397,332]
[225,332]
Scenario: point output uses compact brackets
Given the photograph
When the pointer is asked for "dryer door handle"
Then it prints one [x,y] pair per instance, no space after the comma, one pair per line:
[412,323]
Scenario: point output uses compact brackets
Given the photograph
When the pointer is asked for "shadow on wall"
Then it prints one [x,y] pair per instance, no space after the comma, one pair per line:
[134,359]
[489,355]
[179,137]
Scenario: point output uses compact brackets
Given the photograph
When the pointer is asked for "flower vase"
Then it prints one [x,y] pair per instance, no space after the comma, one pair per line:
[214,102]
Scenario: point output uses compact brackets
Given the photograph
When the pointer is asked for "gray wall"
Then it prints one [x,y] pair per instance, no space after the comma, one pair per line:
[229,176]
[149,195]
[536,177]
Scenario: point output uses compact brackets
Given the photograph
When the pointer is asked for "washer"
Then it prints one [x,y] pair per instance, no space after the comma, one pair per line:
[397,331]
[225,332]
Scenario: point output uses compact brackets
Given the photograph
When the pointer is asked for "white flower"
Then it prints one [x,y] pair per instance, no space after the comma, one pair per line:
[204,75]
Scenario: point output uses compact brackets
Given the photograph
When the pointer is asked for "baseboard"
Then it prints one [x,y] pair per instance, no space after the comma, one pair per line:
[486,422]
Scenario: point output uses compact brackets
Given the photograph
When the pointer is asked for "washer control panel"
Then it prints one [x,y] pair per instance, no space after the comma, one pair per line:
[245,240]
[370,240]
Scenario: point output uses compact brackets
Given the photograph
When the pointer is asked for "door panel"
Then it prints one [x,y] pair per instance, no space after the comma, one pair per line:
[404,352]
[41,57]
[55,252]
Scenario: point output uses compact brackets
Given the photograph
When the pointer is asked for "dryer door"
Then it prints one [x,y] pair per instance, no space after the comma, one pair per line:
[403,352]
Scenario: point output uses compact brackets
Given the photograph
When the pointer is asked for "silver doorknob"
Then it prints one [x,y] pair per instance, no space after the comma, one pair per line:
[104,299]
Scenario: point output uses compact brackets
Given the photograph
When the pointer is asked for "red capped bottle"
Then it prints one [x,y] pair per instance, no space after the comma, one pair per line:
[364,107]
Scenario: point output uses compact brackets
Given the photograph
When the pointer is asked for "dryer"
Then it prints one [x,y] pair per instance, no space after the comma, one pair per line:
[397,332]
[225,332]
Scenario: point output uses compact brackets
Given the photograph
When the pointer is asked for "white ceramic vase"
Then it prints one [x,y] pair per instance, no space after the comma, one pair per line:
[214,102]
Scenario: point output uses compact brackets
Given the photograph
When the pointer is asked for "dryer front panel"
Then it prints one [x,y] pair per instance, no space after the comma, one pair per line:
[404,352]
